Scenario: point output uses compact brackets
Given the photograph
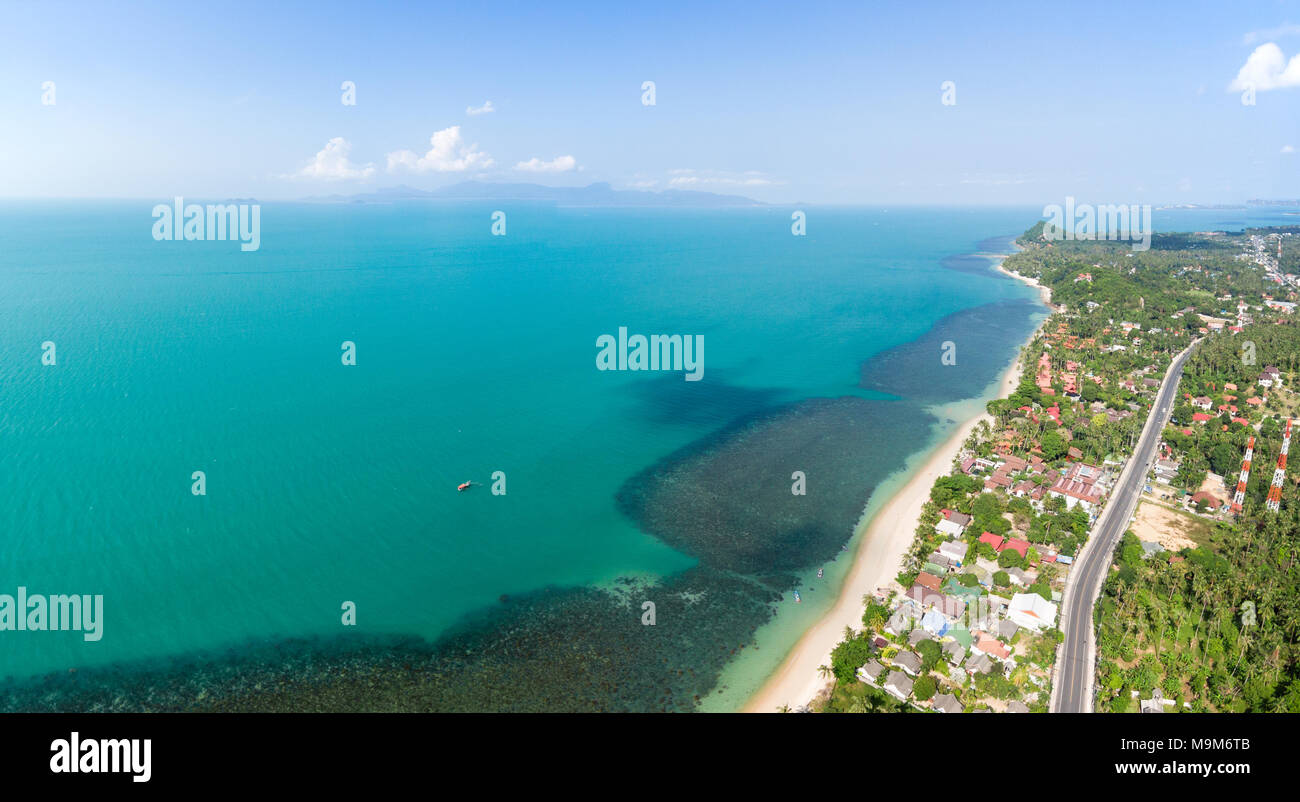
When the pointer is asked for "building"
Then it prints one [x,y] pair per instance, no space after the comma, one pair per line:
[1032,611]
[898,685]
[946,703]
[979,663]
[954,550]
[1079,485]
[948,528]
[871,671]
[909,662]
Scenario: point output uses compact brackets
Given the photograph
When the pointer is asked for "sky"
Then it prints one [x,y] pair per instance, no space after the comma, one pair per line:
[834,103]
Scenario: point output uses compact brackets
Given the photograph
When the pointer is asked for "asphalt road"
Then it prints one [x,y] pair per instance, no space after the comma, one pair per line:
[1073,690]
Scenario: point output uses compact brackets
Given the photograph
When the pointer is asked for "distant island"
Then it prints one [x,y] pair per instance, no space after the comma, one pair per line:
[600,194]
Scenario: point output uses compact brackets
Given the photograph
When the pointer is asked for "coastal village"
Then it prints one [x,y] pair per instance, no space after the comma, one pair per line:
[971,624]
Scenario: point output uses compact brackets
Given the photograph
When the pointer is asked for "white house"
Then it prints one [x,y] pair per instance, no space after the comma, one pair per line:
[949,528]
[1032,611]
[954,550]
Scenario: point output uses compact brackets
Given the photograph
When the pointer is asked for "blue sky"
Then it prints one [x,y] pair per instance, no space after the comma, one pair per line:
[817,102]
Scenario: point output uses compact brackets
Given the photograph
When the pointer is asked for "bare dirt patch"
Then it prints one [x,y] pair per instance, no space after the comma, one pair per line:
[1172,529]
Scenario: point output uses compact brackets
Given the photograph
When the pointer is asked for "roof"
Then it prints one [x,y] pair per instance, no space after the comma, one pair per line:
[947,703]
[993,540]
[908,661]
[899,680]
[1032,611]
[871,670]
[1017,545]
[928,580]
[992,646]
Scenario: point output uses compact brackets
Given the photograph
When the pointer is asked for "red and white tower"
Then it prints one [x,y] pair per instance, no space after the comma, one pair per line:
[1275,490]
[1239,497]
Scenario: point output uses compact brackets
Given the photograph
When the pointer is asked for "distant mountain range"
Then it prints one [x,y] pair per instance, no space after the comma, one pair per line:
[601,194]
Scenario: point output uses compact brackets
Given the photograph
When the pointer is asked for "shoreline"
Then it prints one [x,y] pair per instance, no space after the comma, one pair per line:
[890,531]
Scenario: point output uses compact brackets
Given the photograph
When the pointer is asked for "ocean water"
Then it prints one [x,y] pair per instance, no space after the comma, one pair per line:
[329,483]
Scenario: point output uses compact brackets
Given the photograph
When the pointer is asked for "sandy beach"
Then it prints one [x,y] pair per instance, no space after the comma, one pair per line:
[878,560]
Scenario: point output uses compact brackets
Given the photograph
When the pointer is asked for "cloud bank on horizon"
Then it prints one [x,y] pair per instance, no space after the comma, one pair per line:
[835,103]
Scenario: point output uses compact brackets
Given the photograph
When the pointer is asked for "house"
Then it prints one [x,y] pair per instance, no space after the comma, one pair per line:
[959,518]
[926,598]
[993,540]
[1032,611]
[954,550]
[1078,485]
[1211,503]
[917,635]
[871,671]
[909,662]
[949,528]
[1017,545]
[937,564]
[992,647]
[978,664]
[1024,487]
[1017,706]
[1202,402]
[998,479]
[946,703]
[953,651]
[935,623]
[898,685]
[928,580]
[1018,577]
[1156,704]
[1007,629]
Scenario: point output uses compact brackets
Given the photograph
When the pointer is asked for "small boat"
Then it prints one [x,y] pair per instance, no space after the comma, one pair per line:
[464,486]
[796,597]
[821,572]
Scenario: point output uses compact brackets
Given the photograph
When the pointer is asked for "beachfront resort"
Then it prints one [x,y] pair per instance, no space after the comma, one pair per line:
[972,623]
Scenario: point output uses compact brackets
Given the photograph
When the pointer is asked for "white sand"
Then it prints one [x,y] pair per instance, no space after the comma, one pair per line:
[878,560]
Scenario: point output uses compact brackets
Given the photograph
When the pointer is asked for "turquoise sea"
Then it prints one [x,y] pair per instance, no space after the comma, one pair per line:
[329,483]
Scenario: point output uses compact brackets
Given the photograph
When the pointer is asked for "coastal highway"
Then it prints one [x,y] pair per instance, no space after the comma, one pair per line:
[1072,691]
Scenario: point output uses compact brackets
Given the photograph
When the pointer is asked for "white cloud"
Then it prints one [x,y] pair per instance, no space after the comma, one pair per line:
[560,164]
[1266,69]
[486,108]
[687,177]
[332,163]
[1288,149]
[448,154]
[1270,33]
